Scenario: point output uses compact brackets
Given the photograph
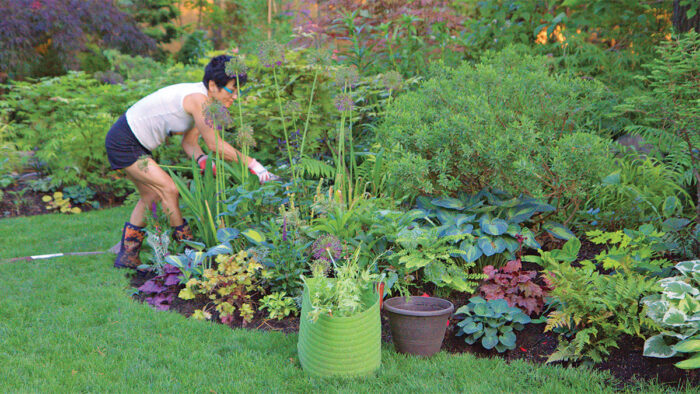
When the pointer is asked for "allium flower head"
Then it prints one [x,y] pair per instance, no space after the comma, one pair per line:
[271,53]
[392,80]
[319,57]
[325,247]
[216,115]
[236,66]
[292,107]
[245,137]
[347,76]
[343,102]
[109,77]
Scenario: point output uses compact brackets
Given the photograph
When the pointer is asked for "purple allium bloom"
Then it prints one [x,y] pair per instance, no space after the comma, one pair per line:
[245,137]
[236,67]
[216,115]
[326,246]
[343,102]
[271,53]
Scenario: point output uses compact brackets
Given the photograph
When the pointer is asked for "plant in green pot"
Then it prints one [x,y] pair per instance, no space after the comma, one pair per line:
[340,327]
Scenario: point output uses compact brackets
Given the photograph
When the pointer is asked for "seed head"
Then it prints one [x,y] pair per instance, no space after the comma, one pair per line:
[216,115]
[236,66]
[392,80]
[347,76]
[245,137]
[343,102]
[319,57]
[271,53]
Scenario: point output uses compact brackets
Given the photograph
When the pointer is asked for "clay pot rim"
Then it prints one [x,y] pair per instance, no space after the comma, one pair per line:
[447,309]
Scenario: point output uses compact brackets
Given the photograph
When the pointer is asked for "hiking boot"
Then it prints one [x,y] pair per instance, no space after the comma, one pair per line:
[182,232]
[132,238]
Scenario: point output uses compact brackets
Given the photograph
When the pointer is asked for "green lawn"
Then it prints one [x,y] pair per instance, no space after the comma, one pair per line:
[68,324]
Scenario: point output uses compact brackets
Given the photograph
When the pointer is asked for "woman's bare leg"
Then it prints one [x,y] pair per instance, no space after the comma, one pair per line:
[153,184]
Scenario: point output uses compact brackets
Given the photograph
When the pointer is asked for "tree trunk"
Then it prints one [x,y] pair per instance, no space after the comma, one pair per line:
[680,20]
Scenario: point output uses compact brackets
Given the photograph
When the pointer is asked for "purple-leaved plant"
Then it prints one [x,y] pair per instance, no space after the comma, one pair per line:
[164,288]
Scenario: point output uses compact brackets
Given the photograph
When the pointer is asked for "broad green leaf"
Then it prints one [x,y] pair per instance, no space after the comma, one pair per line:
[657,347]
[558,230]
[678,289]
[674,317]
[499,306]
[688,346]
[612,179]
[520,213]
[482,310]
[487,245]
[448,202]
[493,226]
[472,252]
[521,318]
[691,363]
[253,236]
[227,234]
[223,248]
[674,224]
[508,339]
[489,341]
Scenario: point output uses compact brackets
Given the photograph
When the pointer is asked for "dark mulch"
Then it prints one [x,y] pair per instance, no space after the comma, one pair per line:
[533,344]
[19,200]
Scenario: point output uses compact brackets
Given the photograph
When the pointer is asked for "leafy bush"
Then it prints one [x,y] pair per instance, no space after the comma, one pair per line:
[65,120]
[278,305]
[676,311]
[30,28]
[667,115]
[506,123]
[599,308]
[492,321]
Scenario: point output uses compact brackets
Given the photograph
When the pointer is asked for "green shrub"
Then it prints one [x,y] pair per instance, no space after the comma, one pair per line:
[492,321]
[506,123]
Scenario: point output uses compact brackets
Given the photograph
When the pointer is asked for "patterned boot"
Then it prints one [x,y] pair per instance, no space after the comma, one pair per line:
[182,232]
[132,238]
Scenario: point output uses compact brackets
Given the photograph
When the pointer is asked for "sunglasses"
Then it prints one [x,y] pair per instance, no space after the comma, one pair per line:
[227,90]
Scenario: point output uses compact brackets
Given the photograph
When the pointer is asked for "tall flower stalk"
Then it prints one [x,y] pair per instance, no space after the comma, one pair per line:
[236,67]
[271,55]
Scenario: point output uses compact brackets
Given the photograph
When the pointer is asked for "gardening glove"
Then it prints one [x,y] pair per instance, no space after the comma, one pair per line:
[263,174]
[202,161]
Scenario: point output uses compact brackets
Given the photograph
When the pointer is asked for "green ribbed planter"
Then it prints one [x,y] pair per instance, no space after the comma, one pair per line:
[347,346]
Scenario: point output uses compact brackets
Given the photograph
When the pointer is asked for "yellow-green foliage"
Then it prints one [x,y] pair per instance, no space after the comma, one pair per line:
[231,286]
[278,305]
[599,308]
[60,204]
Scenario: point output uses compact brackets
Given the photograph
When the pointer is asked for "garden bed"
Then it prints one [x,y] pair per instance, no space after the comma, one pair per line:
[533,344]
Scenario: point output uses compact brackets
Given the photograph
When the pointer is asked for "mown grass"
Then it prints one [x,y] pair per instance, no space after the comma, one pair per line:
[68,324]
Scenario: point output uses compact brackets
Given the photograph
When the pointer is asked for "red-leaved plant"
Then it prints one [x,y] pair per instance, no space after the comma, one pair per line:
[516,286]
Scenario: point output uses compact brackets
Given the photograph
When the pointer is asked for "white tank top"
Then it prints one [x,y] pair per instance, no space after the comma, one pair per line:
[160,113]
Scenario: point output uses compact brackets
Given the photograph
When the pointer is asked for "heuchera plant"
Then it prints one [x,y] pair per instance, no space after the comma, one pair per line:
[163,287]
[516,286]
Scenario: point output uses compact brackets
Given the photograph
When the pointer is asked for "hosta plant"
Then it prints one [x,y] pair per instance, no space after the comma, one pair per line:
[494,219]
[493,322]
[676,310]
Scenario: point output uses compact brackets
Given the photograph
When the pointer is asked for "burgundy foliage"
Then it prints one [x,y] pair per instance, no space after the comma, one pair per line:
[29,27]
[517,286]
[163,287]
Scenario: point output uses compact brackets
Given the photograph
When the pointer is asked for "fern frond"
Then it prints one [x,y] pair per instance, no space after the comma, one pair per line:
[315,168]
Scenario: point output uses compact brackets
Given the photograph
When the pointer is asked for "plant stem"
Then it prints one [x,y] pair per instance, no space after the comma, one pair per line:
[284,126]
[308,114]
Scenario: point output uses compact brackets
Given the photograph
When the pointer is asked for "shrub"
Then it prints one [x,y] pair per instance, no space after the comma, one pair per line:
[30,29]
[506,123]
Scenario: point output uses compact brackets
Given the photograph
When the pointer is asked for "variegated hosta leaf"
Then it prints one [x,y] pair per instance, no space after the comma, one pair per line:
[674,317]
[656,346]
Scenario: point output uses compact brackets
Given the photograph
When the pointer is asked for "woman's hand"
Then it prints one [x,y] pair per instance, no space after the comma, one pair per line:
[202,162]
[263,174]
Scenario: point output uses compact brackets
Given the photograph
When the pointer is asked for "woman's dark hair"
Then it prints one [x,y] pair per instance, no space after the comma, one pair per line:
[216,71]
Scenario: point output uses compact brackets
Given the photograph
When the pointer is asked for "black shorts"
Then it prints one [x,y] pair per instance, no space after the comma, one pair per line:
[123,149]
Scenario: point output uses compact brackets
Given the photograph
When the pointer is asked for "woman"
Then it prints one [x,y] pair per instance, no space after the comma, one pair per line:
[176,109]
